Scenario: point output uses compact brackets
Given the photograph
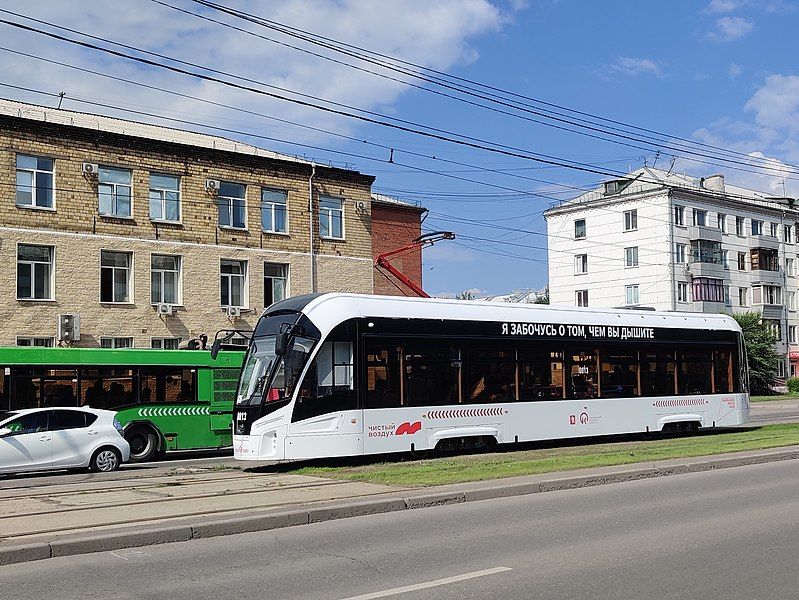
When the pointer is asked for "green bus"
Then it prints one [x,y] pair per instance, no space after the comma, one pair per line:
[166,399]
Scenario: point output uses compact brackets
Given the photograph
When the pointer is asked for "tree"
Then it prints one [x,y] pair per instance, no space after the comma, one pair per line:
[762,358]
[542,297]
[465,295]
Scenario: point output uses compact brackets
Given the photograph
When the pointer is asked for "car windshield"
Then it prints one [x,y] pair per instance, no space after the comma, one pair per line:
[256,370]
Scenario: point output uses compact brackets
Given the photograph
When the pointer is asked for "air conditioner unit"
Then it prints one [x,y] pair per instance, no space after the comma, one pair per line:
[163,309]
[90,169]
[233,311]
[68,328]
[212,185]
[360,206]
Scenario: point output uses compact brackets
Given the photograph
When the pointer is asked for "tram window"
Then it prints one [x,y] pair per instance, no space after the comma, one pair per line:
[332,371]
[107,388]
[383,375]
[167,385]
[619,377]
[540,374]
[657,372]
[722,370]
[583,379]
[693,376]
[491,375]
[432,375]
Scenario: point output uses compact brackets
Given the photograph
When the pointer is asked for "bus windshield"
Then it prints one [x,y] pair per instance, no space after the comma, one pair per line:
[268,378]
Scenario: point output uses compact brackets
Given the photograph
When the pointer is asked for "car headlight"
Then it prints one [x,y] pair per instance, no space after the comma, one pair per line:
[118,426]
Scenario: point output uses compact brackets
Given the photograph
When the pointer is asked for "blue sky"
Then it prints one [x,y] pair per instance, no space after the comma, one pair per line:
[721,72]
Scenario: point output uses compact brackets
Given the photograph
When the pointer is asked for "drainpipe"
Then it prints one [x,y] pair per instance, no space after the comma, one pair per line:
[310,227]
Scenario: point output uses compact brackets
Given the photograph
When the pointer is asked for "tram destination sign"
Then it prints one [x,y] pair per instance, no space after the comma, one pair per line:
[585,332]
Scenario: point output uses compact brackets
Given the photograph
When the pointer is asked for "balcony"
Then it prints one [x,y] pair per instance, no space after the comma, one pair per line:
[706,306]
[700,232]
[764,241]
[772,311]
[706,262]
[766,276]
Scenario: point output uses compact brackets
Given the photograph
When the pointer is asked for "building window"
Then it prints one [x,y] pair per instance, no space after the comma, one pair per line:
[682,291]
[788,234]
[679,253]
[767,294]
[757,227]
[725,258]
[739,226]
[116,342]
[331,218]
[679,215]
[703,251]
[631,256]
[34,181]
[764,259]
[700,217]
[791,334]
[706,289]
[774,229]
[114,190]
[581,297]
[789,267]
[231,205]
[630,220]
[38,342]
[791,300]
[165,343]
[580,264]
[34,272]
[721,221]
[165,279]
[727,300]
[776,328]
[631,294]
[273,210]
[276,278]
[233,279]
[579,229]
[743,296]
[115,276]
[164,198]
[742,261]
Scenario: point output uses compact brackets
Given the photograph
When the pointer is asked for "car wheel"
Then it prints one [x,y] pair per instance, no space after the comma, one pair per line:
[143,443]
[105,460]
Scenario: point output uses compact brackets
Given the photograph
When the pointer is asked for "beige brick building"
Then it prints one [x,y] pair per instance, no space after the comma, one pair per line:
[119,221]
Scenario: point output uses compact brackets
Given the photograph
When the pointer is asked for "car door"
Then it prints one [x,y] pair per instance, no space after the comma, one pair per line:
[75,433]
[29,445]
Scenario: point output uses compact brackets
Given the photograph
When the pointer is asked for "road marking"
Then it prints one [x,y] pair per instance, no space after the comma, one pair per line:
[429,584]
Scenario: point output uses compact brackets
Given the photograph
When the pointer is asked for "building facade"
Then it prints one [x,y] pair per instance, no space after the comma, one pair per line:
[673,242]
[396,224]
[155,235]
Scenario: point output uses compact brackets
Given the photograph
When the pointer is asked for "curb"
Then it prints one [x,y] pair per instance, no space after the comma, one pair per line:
[446,495]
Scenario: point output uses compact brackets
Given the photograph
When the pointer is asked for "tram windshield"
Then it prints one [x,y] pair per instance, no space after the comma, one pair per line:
[267,377]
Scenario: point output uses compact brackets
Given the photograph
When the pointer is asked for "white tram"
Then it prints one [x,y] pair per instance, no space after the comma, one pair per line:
[347,374]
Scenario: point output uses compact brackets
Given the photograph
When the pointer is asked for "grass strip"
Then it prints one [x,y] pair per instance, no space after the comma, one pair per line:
[774,398]
[495,465]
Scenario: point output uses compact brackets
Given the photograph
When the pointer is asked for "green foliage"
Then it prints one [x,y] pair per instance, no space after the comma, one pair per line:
[543,297]
[793,384]
[763,358]
[465,295]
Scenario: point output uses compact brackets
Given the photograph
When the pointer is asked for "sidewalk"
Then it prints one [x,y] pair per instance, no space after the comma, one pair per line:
[81,517]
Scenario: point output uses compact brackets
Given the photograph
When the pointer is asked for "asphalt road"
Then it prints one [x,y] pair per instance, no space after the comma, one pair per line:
[727,534]
[766,413]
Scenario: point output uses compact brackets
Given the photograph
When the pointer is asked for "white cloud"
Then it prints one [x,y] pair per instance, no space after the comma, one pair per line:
[437,35]
[734,70]
[776,103]
[730,6]
[729,29]
[625,65]
[723,6]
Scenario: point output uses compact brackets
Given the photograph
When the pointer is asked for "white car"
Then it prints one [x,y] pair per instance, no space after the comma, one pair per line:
[61,438]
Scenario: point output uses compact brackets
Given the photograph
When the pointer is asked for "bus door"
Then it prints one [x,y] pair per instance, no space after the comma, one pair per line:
[326,420]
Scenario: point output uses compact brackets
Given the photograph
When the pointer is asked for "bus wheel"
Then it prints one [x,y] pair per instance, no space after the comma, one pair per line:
[143,442]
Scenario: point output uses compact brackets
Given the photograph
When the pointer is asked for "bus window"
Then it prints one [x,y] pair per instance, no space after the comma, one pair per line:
[383,375]
[722,370]
[619,377]
[60,387]
[657,372]
[4,399]
[432,375]
[107,387]
[26,386]
[540,374]
[492,375]
[694,374]
[171,384]
[582,374]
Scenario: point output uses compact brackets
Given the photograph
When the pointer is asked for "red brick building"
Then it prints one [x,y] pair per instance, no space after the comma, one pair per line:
[396,224]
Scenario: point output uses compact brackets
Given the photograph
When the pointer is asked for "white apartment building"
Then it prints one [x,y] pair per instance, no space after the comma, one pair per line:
[667,241]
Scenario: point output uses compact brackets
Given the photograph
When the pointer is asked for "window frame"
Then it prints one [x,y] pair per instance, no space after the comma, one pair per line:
[759,226]
[114,339]
[740,226]
[581,298]
[682,292]
[229,203]
[130,285]
[743,296]
[162,193]
[787,234]
[245,282]
[33,339]
[115,214]
[178,279]
[34,187]
[582,261]
[585,229]
[721,222]
[329,213]
[272,230]
[680,253]
[285,277]
[162,339]
[631,252]
[711,289]
[636,289]
[52,296]
[697,212]
[679,215]
[631,220]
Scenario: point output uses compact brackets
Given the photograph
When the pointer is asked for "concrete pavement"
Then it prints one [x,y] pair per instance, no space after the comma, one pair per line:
[122,513]
[720,534]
